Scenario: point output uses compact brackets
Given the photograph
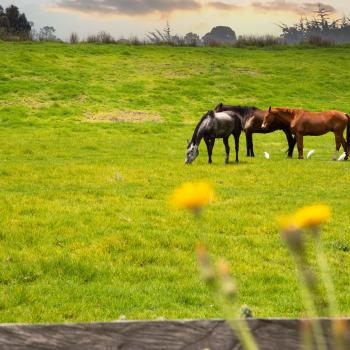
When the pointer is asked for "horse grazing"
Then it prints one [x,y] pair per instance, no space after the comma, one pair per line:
[213,126]
[303,123]
[253,118]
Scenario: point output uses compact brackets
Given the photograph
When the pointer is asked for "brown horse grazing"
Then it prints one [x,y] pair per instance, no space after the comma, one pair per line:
[252,119]
[303,123]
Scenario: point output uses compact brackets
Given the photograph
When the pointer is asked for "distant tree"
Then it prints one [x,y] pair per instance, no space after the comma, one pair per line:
[192,39]
[47,33]
[220,34]
[4,22]
[74,38]
[167,32]
[14,23]
[320,30]
[18,23]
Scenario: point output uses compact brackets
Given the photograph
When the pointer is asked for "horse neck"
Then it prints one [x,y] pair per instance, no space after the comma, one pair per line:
[285,117]
[198,133]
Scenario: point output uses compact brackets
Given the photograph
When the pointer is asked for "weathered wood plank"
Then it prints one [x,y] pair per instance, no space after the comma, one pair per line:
[168,335]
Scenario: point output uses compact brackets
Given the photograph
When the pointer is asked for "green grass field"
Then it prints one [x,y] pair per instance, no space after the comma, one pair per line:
[86,232]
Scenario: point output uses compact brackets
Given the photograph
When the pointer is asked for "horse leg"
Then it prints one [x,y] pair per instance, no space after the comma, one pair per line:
[291,142]
[248,143]
[300,142]
[209,149]
[212,143]
[338,142]
[227,147]
[237,136]
[345,146]
[250,146]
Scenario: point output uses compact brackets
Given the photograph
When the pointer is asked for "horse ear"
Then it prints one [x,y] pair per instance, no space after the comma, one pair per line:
[270,109]
[211,114]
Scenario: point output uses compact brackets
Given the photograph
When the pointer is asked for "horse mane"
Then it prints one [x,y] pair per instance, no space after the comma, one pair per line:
[206,115]
[286,110]
[242,110]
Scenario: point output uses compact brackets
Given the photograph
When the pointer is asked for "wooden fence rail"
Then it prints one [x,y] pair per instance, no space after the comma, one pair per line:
[271,334]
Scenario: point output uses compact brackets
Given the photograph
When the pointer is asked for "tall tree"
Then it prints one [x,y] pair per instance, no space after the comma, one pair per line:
[17,22]
[4,23]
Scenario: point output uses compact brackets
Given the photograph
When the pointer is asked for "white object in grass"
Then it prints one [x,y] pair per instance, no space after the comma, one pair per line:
[342,157]
[266,155]
[311,153]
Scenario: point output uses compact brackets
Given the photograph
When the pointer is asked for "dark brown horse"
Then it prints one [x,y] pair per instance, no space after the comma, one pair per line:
[303,123]
[252,119]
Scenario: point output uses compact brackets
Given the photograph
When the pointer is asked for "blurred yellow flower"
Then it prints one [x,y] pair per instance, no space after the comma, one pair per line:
[286,222]
[192,196]
[312,216]
[306,217]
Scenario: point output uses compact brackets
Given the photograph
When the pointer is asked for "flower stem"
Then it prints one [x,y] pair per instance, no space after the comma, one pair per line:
[326,277]
[310,305]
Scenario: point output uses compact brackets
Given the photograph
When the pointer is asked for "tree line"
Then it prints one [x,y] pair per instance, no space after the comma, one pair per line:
[320,30]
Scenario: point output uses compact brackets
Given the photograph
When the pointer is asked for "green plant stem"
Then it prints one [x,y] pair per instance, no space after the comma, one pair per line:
[333,309]
[310,305]
[326,276]
[307,336]
[242,330]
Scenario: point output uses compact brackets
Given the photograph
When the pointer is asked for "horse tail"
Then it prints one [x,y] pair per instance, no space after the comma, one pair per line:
[348,133]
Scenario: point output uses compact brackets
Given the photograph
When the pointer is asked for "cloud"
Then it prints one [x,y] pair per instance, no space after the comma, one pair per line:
[218,5]
[289,6]
[128,7]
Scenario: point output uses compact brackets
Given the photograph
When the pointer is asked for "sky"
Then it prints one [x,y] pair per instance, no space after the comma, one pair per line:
[128,18]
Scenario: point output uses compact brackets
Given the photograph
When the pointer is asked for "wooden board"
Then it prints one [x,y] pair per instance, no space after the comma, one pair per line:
[271,334]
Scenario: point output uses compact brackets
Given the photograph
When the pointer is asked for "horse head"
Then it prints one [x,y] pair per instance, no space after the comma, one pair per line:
[284,115]
[269,117]
[192,152]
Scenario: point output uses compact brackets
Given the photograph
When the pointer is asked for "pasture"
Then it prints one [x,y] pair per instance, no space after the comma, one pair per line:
[93,141]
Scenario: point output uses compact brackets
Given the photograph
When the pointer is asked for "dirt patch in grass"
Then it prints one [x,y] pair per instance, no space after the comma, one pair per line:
[246,71]
[124,116]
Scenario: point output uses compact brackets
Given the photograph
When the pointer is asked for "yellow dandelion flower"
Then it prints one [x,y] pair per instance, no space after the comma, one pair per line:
[192,196]
[312,216]
[306,217]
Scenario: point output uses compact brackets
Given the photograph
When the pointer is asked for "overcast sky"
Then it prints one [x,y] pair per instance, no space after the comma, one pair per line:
[125,18]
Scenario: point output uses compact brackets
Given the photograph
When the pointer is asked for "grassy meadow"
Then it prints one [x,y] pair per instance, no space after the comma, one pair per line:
[93,142]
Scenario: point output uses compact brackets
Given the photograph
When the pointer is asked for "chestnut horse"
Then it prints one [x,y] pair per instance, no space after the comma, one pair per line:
[253,118]
[303,123]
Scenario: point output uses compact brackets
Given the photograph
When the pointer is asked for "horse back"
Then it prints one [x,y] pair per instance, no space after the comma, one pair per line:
[318,123]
